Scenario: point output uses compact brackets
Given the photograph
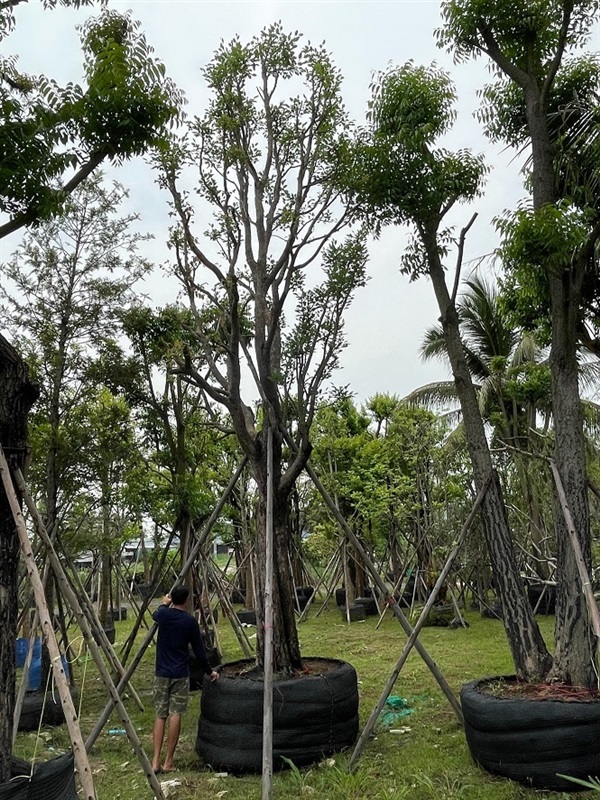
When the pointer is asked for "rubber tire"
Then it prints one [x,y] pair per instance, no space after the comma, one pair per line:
[369,604]
[356,612]
[33,702]
[313,717]
[530,741]
[340,597]
[248,616]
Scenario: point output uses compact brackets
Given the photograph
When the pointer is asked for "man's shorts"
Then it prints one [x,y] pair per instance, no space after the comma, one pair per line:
[170,695]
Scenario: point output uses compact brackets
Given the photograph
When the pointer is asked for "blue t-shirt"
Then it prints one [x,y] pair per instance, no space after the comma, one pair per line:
[176,631]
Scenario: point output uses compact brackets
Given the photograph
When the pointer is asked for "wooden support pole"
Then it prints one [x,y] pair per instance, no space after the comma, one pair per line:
[397,611]
[267,734]
[83,600]
[317,586]
[86,630]
[368,729]
[150,635]
[81,759]
[227,609]
[586,583]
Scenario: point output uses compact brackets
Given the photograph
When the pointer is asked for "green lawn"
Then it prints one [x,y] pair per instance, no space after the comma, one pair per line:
[425,758]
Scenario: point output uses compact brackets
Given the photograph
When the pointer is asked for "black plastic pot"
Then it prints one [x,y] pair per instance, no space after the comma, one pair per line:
[313,716]
[532,741]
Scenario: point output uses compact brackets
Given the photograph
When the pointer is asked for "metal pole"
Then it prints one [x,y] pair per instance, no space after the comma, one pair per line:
[267,753]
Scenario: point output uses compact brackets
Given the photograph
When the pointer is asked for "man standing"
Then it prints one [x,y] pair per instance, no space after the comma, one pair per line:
[176,631]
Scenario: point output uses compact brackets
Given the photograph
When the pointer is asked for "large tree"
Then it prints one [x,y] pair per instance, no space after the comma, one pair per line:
[261,154]
[64,287]
[556,237]
[400,174]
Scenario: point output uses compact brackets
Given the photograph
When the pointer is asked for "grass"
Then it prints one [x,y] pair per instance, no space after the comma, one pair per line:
[426,758]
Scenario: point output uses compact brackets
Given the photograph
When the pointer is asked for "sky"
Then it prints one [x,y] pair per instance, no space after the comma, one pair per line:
[389,317]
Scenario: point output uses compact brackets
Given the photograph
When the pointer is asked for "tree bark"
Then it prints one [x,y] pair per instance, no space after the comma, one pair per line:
[17,395]
[530,655]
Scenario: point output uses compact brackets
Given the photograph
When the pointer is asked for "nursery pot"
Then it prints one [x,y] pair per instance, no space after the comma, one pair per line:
[315,714]
[532,740]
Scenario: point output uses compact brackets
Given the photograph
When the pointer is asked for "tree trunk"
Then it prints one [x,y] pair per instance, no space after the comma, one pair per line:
[17,395]
[574,652]
[530,655]
[286,646]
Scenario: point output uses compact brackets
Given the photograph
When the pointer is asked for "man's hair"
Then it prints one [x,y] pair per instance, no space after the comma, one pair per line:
[179,595]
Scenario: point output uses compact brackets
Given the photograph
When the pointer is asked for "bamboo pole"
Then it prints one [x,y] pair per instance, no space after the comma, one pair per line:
[150,635]
[227,609]
[586,583]
[267,737]
[397,611]
[416,630]
[95,651]
[81,759]
[83,600]
[24,679]
[320,582]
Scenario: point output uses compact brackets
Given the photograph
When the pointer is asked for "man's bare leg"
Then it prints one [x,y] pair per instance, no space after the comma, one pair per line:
[158,734]
[172,739]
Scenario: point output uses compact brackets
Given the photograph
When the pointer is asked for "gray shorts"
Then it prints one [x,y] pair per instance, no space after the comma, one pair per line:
[170,695]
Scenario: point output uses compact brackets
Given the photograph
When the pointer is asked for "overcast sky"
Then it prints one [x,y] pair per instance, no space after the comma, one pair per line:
[386,324]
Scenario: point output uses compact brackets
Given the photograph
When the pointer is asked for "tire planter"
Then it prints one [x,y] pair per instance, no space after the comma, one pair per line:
[119,614]
[51,780]
[356,612]
[532,741]
[248,617]
[33,703]
[369,605]
[313,717]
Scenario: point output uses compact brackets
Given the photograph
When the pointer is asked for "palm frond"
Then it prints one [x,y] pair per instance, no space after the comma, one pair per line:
[433,395]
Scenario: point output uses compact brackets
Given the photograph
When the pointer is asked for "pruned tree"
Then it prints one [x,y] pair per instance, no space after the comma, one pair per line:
[399,174]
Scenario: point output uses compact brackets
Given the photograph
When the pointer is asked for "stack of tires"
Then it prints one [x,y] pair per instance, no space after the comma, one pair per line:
[314,716]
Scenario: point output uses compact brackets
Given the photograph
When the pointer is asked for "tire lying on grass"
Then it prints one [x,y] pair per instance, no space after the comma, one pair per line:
[314,716]
[49,702]
[532,741]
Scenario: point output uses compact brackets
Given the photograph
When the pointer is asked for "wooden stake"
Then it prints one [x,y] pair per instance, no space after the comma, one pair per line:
[416,630]
[150,635]
[81,759]
[267,738]
[397,611]
[586,583]
[86,630]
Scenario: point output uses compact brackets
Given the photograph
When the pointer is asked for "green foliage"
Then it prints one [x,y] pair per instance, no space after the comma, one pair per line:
[524,35]
[535,243]
[395,173]
[48,132]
